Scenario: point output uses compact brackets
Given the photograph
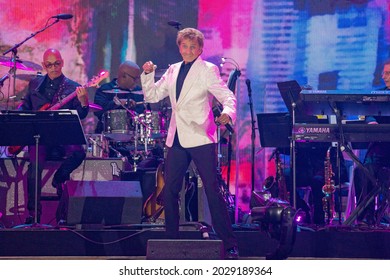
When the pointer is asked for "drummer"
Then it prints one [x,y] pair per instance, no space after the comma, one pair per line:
[125,87]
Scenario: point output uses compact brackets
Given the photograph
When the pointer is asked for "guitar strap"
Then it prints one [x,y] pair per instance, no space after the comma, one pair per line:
[58,96]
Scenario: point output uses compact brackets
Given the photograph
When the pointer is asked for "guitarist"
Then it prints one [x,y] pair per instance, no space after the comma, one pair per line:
[43,92]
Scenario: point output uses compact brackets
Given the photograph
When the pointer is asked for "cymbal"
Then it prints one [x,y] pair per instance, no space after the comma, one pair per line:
[27,77]
[116,91]
[94,107]
[22,65]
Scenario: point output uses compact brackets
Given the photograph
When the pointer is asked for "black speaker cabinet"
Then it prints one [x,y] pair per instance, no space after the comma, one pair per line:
[104,202]
[184,249]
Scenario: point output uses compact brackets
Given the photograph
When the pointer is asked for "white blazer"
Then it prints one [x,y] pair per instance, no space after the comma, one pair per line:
[192,114]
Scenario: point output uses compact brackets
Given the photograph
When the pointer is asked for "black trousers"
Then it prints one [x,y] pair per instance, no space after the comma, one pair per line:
[205,159]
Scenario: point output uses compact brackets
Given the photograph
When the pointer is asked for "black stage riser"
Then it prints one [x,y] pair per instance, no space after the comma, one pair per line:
[57,243]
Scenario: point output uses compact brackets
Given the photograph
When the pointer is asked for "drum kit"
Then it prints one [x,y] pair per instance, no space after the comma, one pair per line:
[15,64]
[129,134]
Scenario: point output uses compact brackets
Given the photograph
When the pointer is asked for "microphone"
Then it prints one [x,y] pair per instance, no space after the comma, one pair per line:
[3,79]
[63,16]
[175,24]
[248,84]
[217,113]
[230,60]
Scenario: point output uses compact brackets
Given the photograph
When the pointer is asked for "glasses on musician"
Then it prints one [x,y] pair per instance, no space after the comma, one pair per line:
[386,73]
[131,76]
[54,64]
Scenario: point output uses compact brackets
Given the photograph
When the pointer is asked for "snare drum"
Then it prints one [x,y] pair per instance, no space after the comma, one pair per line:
[118,125]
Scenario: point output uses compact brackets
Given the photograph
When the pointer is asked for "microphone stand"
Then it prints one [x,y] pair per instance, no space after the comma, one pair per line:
[293,152]
[253,135]
[14,55]
[16,46]
[232,86]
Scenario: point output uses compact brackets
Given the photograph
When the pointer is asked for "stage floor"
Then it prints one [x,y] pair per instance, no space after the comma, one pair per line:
[130,242]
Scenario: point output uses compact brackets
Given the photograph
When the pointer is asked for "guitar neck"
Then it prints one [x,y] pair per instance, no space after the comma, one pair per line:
[92,83]
[64,101]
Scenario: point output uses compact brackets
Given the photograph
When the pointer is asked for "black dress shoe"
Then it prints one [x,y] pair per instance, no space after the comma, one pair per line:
[231,254]
[61,223]
[31,220]
[58,186]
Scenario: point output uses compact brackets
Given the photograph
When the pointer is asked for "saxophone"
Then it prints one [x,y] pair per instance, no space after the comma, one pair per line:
[277,186]
[280,178]
[328,189]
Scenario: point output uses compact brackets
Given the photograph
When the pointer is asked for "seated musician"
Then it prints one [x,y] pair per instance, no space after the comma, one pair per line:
[50,89]
[376,162]
[130,96]
[126,84]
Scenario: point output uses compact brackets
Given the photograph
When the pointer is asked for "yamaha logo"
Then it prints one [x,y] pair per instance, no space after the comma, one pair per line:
[313,130]
[318,130]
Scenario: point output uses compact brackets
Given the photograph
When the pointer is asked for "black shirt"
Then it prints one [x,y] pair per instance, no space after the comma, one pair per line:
[184,69]
[51,87]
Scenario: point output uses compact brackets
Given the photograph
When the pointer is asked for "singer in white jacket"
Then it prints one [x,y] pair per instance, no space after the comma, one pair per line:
[191,86]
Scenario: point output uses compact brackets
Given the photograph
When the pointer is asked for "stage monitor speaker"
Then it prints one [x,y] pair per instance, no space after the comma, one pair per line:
[104,202]
[184,249]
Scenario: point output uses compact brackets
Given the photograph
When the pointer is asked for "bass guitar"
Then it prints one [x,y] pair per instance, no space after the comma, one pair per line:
[153,208]
[94,82]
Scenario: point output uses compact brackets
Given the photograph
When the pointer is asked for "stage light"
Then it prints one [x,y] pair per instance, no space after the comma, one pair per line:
[278,219]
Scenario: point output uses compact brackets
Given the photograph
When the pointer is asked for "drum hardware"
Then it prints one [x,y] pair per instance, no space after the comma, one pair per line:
[140,128]
[98,148]
[142,137]
[19,64]
[94,107]
[3,79]
[102,149]
[116,91]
